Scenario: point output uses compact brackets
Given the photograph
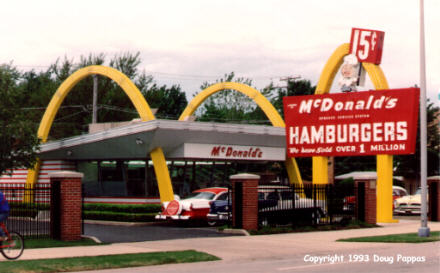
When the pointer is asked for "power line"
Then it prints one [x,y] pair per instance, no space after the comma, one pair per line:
[181,76]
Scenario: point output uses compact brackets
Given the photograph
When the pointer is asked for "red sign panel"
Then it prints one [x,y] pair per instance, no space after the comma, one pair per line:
[172,208]
[352,124]
[367,45]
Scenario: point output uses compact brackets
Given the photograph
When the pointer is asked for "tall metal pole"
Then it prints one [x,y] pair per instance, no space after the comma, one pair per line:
[424,229]
[95,99]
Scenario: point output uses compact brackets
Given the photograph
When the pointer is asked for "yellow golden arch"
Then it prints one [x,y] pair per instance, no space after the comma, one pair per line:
[384,163]
[139,102]
[262,102]
[144,110]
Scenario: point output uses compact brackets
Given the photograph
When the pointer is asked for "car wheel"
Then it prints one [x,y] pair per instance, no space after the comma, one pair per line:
[316,217]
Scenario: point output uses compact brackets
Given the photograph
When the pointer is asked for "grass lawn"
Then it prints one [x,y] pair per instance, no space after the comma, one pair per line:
[47,242]
[289,229]
[104,262]
[397,238]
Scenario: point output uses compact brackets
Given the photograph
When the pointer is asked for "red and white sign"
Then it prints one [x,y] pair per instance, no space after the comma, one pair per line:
[233,152]
[360,123]
[367,45]
[173,208]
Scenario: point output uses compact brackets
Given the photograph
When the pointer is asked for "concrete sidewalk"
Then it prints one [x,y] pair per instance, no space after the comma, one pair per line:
[246,247]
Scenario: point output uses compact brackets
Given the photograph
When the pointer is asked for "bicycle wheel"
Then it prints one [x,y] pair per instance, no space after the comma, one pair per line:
[13,247]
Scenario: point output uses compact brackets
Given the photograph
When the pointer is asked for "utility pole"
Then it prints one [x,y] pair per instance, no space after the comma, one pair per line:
[288,79]
[424,229]
[95,99]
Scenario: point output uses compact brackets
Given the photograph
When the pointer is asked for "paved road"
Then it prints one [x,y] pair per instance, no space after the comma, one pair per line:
[140,233]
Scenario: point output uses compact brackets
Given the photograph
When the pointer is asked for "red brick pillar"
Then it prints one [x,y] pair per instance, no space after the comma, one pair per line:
[66,205]
[434,198]
[245,201]
[369,205]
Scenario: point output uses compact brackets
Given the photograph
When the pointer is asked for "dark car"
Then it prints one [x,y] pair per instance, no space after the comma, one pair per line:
[221,210]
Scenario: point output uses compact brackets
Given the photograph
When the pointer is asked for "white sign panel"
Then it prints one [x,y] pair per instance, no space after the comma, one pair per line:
[233,152]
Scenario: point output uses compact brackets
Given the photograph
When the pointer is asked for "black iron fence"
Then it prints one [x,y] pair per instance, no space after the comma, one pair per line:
[29,208]
[307,204]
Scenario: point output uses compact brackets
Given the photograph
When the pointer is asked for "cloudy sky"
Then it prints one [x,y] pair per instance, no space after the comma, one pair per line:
[189,42]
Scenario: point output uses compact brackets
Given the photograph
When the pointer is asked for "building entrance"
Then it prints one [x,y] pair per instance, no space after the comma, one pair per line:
[136,178]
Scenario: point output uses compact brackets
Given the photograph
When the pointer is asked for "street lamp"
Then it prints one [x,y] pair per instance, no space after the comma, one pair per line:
[424,229]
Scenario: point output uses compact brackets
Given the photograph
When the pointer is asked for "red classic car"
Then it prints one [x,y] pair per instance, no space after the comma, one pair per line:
[350,201]
[194,207]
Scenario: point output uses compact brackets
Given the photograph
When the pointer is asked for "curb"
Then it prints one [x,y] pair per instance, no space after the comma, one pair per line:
[96,240]
[235,231]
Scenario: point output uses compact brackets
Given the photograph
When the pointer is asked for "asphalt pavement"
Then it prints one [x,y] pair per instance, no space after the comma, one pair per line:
[131,232]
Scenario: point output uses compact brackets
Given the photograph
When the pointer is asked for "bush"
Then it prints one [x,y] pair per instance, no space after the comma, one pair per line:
[95,211]
[119,216]
[20,212]
[135,208]
[24,205]
[125,213]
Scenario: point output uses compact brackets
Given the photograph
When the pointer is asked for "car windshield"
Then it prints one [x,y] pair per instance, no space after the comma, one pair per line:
[201,195]
[419,191]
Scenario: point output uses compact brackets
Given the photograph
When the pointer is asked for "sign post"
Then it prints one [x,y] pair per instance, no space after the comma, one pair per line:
[424,229]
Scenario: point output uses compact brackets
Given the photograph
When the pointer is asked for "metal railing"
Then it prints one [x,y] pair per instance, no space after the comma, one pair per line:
[29,208]
[306,204]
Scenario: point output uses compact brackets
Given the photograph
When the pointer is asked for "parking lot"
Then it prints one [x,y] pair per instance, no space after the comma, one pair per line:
[118,233]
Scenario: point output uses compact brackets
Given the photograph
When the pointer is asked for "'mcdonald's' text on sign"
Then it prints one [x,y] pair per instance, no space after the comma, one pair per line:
[351,124]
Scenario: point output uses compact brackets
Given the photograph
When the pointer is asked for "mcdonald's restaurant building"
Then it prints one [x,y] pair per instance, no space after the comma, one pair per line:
[115,159]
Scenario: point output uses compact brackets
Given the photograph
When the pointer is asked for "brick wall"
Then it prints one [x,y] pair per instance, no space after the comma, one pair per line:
[70,202]
[249,184]
[370,200]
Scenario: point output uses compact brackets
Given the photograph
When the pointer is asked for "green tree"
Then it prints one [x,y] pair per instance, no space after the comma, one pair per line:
[18,141]
[230,105]
[409,165]
[169,102]
[113,104]
[294,88]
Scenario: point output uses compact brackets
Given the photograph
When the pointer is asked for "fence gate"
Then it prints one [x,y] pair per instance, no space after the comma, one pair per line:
[238,200]
[306,204]
[433,201]
[55,211]
[29,208]
[360,203]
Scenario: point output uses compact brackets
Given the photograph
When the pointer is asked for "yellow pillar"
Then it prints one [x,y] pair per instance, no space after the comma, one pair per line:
[320,170]
[384,188]
[384,163]
[162,175]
